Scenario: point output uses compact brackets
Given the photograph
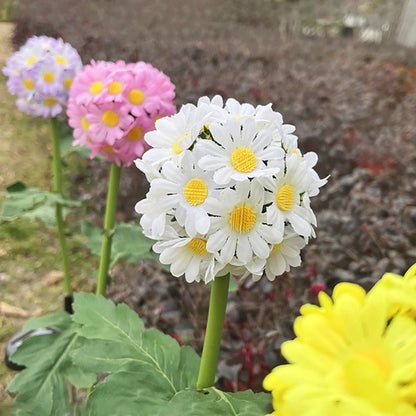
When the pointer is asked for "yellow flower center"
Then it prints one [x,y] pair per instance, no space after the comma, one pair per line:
[285,197]
[96,87]
[198,246]
[115,87]
[60,60]
[108,148]
[366,374]
[48,77]
[243,160]
[175,146]
[110,118]
[242,219]
[136,97]
[135,134]
[276,247]
[50,102]
[68,83]
[379,358]
[85,124]
[31,60]
[195,191]
[29,84]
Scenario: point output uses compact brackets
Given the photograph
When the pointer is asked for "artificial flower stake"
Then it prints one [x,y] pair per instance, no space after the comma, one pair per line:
[215,324]
[57,187]
[40,74]
[109,223]
[112,106]
[229,194]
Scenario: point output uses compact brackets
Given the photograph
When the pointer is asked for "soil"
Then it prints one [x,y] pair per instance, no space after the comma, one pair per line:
[352,103]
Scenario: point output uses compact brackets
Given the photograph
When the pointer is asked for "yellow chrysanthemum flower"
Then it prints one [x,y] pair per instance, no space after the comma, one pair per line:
[401,291]
[350,357]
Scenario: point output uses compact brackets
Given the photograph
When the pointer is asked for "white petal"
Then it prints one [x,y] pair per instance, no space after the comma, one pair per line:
[228,250]
[216,241]
[259,246]
[244,251]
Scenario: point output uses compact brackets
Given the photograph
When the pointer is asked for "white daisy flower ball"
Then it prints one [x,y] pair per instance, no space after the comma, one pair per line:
[229,191]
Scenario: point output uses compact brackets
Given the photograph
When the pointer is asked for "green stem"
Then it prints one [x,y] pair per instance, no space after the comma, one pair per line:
[57,187]
[6,14]
[215,324]
[109,222]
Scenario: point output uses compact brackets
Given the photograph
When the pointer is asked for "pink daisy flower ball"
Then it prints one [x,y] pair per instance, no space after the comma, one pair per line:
[113,105]
[40,74]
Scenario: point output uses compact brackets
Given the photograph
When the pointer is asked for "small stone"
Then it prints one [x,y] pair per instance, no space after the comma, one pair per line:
[52,277]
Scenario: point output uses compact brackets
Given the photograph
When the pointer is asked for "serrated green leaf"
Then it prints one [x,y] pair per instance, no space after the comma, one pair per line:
[129,243]
[147,367]
[33,203]
[60,320]
[42,387]
[216,402]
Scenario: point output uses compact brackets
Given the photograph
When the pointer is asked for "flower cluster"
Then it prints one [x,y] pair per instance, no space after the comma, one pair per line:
[41,73]
[114,104]
[229,191]
[354,355]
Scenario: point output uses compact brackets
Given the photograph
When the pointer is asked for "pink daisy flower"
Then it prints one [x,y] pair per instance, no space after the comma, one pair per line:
[78,122]
[109,152]
[108,122]
[90,82]
[115,86]
[133,145]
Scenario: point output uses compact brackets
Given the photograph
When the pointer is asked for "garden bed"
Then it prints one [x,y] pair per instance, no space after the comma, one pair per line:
[353,104]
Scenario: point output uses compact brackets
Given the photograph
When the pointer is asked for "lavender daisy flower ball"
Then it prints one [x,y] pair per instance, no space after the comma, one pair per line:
[40,74]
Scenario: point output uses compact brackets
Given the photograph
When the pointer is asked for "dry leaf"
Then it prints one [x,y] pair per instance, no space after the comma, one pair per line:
[12,311]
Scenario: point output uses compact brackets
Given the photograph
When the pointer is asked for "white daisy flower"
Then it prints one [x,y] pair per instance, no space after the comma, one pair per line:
[238,151]
[154,217]
[284,255]
[176,133]
[216,104]
[311,160]
[266,117]
[186,188]
[284,201]
[238,110]
[150,169]
[239,227]
[188,256]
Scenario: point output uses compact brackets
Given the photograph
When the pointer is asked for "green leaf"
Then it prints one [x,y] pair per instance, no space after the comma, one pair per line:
[129,243]
[233,284]
[32,203]
[149,373]
[16,187]
[147,367]
[42,387]
[216,402]
[54,320]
